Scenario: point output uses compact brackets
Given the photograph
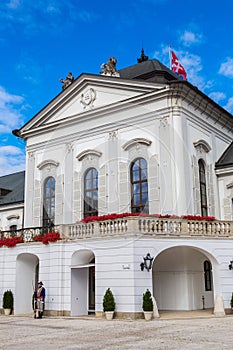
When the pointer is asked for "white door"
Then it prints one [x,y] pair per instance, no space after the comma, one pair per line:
[79,283]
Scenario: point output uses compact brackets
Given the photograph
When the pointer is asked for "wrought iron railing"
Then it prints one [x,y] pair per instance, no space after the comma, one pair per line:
[27,234]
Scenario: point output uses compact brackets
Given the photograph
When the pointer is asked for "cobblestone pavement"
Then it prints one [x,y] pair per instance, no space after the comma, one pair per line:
[21,332]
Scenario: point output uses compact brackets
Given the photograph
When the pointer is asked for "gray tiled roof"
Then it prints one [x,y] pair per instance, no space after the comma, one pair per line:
[151,70]
[14,183]
[226,160]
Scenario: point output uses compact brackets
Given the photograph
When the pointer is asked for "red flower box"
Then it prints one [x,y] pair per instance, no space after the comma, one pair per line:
[48,237]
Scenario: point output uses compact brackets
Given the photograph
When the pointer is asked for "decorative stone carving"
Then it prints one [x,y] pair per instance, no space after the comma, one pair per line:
[88,98]
[202,146]
[164,122]
[69,147]
[136,142]
[31,155]
[109,68]
[113,135]
[89,153]
[48,164]
[67,81]
[230,185]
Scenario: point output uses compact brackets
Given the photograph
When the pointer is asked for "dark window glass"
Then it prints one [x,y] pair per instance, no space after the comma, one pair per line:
[139,186]
[49,202]
[203,195]
[13,228]
[91,192]
[208,275]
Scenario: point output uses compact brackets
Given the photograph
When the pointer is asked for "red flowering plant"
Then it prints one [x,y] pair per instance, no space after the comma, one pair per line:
[114,216]
[197,217]
[48,237]
[10,242]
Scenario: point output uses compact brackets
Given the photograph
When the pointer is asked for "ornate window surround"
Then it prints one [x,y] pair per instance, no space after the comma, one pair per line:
[203,186]
[202,146]
[139,182]
[13,220]
[49,197]
[89,158]
[137,142]
[88,153]
[48,168]
[202,149]
[137,148]
[90,190]
[47,163]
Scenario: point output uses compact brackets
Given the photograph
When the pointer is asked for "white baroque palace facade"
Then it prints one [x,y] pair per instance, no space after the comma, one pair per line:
[139,141]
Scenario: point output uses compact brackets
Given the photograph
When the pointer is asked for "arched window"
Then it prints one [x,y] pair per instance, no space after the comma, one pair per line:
[139,186]
[49,202]
[208,275]
[203,195]
[91,192]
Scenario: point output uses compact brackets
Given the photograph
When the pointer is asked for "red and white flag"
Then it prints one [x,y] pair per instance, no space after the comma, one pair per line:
[177,66]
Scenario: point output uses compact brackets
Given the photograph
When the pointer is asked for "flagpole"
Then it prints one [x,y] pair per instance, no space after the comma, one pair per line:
[170,58]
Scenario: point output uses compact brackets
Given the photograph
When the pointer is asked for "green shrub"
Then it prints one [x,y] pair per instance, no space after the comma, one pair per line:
[147,303]
[108,301]
[231,302]
[8,300]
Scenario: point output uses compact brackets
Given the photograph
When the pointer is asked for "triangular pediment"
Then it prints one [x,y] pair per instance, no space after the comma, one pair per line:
[89,93]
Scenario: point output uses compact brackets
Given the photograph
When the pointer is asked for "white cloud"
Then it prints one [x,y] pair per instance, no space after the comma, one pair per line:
[229,105]
[217,96]
[189,38]
[10,115]
[226,68]
[12,159]
[191,63]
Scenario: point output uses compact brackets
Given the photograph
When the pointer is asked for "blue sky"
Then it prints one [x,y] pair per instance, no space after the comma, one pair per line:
[40,41]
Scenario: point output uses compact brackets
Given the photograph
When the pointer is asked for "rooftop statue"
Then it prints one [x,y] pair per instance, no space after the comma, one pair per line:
[109,68]
[67,81]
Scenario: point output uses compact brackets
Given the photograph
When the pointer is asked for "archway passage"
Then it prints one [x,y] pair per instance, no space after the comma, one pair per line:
[27,269]
[82,283]
[182,279]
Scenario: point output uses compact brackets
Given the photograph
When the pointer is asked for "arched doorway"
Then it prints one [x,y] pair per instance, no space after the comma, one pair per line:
[182,279]
[27,270]
[82,283]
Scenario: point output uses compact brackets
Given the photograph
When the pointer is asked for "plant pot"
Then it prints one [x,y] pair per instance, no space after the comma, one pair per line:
[7,312]
[109,315]
[148,315]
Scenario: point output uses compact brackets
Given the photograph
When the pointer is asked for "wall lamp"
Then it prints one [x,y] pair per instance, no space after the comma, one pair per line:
[147,263]
[231,265]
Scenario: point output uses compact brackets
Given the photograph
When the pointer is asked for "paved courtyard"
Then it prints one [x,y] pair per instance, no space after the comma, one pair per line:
[17,332]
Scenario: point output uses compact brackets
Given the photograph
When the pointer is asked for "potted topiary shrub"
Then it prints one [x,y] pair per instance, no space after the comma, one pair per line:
[231,302]
[7,302]
[109,304]
[147,305]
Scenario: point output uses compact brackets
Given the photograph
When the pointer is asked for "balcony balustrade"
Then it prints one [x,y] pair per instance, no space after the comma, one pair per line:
[132,226]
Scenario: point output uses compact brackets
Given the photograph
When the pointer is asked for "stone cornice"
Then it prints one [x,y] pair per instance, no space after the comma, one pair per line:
[193,96]
[83,81]
[93,114]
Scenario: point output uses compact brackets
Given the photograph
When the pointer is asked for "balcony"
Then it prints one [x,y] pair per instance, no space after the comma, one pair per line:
[148,226]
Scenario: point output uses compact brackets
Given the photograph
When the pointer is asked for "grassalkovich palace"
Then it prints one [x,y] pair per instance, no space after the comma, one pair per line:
[123,168]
